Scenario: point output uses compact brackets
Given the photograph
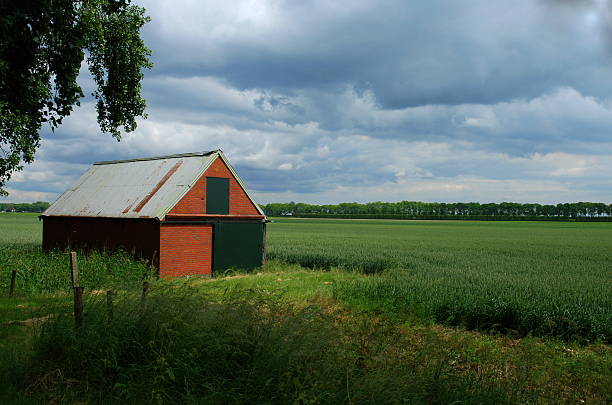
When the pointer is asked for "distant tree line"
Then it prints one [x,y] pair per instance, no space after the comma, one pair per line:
[414,209]
[38,206]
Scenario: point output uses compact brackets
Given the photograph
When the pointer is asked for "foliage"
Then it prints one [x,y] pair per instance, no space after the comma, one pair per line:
[459,217]
[278,336]
[39,272]
[424,210]
[43,45]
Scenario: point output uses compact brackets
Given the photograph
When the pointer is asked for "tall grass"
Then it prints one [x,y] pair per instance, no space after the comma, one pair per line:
[545,279]
[243,344]
[181,347]
[41,272]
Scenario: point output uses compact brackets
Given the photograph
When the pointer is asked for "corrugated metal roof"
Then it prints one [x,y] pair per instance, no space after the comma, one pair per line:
[136,188]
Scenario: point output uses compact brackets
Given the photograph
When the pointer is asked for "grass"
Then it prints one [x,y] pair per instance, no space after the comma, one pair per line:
[188,344]
[345,312]
[39,272]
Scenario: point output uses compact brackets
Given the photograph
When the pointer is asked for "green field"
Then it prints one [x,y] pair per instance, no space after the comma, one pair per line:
[343,312]
[519,278]
[522,277]
[20,229]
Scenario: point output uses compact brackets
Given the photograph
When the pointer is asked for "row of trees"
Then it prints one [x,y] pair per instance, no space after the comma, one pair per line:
[38,206]
[406,208]
[417,208]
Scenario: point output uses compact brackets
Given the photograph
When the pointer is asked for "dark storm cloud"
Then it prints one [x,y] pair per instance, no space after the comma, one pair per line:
[407,53]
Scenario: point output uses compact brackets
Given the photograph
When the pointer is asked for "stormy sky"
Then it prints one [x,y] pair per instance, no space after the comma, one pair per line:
[331,101]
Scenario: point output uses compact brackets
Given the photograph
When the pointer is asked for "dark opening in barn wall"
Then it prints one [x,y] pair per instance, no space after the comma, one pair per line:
[238,245]
[217,195]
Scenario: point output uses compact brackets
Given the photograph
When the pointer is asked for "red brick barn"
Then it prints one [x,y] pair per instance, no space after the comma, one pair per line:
[189,213]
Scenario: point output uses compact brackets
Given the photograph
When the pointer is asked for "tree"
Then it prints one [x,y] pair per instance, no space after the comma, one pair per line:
[42,46]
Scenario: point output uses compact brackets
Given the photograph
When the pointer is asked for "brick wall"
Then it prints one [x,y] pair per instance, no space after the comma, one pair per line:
[194,202]
[186,249]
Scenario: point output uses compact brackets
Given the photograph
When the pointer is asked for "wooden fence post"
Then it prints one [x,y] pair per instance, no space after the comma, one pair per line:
[13,280]
[78,307]
[74,271]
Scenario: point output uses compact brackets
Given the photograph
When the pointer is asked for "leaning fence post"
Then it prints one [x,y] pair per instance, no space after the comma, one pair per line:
[78,307]
[74,271]
[13,280]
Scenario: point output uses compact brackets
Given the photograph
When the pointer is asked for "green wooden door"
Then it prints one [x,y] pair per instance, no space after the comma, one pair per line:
[238,245]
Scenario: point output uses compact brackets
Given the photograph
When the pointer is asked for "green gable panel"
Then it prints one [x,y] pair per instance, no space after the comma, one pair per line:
[217,195]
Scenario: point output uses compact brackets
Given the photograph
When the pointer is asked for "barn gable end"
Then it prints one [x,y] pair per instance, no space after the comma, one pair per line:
[194,201]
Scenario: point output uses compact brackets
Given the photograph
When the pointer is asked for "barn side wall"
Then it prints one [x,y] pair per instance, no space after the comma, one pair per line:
[185,249]
[194,202]
[138,235]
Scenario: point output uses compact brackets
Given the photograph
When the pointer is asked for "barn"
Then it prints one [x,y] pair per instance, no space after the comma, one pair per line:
[188,213]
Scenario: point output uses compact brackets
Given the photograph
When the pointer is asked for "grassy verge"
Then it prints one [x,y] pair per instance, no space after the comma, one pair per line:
[231,341]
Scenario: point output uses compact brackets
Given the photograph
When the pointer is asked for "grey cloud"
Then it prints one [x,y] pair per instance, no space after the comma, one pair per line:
[328,101]
[407,53]
[561,120]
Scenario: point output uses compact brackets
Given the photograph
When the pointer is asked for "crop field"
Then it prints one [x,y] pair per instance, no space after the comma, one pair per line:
[20,230]
[516,277]
[343,312]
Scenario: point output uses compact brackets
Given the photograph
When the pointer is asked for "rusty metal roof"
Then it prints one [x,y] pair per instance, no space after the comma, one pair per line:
[135,188]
